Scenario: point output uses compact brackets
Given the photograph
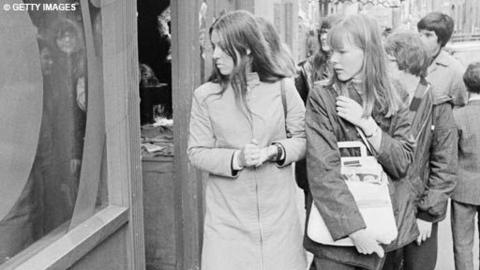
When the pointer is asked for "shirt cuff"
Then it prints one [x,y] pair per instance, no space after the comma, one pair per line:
[280,158]
[235,162]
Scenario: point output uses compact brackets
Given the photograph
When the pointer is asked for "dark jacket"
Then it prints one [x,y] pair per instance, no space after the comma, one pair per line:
[324,128]
[468,123]
[431,178]
[311,70]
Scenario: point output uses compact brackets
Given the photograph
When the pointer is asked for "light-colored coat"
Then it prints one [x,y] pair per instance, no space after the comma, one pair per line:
[251,221]
[446,76]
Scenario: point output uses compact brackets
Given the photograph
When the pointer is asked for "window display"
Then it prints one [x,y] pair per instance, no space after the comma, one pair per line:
[44,94]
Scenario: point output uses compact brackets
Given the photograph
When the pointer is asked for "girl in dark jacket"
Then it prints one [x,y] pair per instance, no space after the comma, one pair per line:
[315,68]
[359,95]
[422,196]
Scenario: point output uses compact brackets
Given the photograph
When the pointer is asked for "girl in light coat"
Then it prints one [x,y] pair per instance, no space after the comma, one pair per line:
[238,135]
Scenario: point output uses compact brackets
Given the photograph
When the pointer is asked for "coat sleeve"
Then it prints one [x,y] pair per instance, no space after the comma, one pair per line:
[458,91]
[443,166]
[330,193]
[295,121]
[201,149]
[301,81]
[396,149]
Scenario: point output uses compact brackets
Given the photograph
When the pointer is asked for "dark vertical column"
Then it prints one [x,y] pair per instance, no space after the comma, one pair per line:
[185,78]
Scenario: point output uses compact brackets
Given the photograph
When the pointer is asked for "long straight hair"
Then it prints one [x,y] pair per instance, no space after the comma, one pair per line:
[280,52]
[239,32]
[377,88]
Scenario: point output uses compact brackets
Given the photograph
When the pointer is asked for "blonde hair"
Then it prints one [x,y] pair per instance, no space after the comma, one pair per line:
[364,32]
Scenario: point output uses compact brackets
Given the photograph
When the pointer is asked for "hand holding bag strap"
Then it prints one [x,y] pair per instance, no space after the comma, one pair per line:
[284,104]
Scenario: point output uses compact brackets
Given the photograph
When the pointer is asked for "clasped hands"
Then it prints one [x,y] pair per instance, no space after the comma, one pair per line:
[251,155]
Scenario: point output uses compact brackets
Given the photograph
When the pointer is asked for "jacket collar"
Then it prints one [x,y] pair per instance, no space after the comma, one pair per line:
[348,88]
[440,60]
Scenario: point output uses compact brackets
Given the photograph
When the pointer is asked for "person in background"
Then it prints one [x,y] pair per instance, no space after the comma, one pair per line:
[147,76]
[311,43]
[422,196]
[444,73]
[358,95]
[238,136]
[152,94]
[386,32]
[315,68]
[465,203]
[280,53]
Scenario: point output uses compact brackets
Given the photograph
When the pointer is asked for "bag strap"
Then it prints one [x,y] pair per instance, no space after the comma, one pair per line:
[284,100]
[360,132]
[284,104]
[365,141]
[420,92]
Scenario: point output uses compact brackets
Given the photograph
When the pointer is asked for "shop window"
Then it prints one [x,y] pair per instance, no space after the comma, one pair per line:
[154,51]
[155,82]
[52,140]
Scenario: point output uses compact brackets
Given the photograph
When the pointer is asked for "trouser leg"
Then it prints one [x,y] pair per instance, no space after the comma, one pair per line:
[393,260]
[463,227]
[423,257]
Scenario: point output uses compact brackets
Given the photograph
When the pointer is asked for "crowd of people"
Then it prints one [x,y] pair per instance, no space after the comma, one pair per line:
[401,95]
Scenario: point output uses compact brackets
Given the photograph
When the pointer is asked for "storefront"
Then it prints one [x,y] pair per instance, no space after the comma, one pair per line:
[71,176]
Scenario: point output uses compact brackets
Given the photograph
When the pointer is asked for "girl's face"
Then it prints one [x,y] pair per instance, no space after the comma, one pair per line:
[223,61]
[347,61]
[323,40]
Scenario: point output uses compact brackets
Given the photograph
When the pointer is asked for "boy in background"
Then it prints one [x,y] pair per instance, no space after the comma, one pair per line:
[465,198]
[444,73]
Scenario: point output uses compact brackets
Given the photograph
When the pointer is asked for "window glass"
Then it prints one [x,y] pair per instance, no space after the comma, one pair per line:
[47,166]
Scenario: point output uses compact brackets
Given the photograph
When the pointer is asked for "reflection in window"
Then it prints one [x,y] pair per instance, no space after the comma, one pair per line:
[44,103]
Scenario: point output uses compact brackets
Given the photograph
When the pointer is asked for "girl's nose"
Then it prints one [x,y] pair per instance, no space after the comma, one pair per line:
[216,53]
[334,58]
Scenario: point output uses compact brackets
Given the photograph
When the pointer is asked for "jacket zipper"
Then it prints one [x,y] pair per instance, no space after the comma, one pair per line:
[257,197]
[422,128]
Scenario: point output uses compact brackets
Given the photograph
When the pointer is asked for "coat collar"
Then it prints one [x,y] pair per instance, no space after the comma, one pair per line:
[253,80]
[441,60]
